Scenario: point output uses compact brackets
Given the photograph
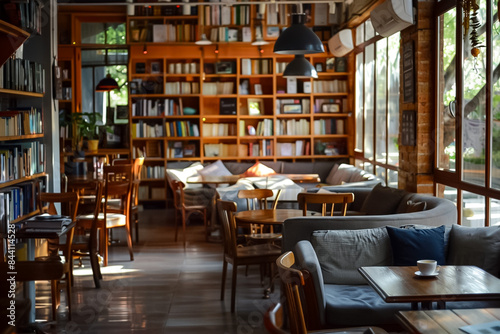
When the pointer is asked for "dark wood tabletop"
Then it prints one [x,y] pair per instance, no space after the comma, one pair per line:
[271,217]
[445,321]
[454,283]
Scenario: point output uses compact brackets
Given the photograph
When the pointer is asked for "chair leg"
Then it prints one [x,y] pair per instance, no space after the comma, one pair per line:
[176,219]
[68,293]
[105,250]
[96,270]
[233,289]
[184,227]
[223,282]
[54,290]
[129,241]
[136,223]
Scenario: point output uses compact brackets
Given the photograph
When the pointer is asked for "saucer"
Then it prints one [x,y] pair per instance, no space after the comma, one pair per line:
[434,274]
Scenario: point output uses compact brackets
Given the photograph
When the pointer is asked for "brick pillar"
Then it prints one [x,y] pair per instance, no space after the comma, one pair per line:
[416,162]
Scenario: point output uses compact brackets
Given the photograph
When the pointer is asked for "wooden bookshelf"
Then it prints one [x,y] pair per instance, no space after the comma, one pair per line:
[22,153]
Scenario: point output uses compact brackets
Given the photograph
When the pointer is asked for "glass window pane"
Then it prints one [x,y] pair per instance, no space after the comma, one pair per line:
[381,172]
[392,178]
[474,111]
[381,103]
[360,34]
[103,33]
[393,100]
[495,154]
[369,31]
[359,100]
[88,89]
[473,209]
[447,90]
[90,57]
[369,100]
[447,192]
[494,212]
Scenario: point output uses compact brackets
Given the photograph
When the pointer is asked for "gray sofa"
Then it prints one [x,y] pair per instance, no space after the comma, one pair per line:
[331,249]
[331,172]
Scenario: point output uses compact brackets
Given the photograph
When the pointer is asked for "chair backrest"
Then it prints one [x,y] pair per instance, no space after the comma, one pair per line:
[291,279]
[256,198]
[226,210]
[178,192]
[118,184]
[322,198]
[69,207]
[137,164]
[91,196]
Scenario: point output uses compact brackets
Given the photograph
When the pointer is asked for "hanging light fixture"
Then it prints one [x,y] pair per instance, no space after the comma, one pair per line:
[107,84]
[203,40]
[300,67]
[298,39]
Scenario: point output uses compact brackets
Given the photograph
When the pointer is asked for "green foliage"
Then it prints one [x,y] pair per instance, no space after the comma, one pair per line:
[87,124]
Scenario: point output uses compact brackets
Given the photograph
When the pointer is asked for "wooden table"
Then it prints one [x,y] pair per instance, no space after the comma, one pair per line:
[266,217]
[454,283]
[445,321]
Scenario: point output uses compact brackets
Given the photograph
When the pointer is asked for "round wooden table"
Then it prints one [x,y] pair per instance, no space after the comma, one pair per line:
[269,217]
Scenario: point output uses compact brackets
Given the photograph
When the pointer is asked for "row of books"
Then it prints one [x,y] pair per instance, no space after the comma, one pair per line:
[147,10]
[182,129]
[164,33]
[153,172]
[304,104]
[264,128]
[22,74]
[142,129]
[297,148]
[255,66]
[177,88]
[218,129]
[218,88]
[16,202]
[21,160]
[330,86]
[292,127]
[26,15]
[329,126]
[159,107]
[224,34]
[225,15]
[276,14]
[263,148]
[21,122]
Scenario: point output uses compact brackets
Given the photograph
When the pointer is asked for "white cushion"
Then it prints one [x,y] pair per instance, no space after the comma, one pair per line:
[183,174]
[215,169]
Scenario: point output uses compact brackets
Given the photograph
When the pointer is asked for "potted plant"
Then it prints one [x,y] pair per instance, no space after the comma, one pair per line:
[87,126]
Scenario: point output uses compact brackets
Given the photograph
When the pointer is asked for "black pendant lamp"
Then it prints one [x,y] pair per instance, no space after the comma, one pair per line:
[298,39]
[300,67]
[107,84]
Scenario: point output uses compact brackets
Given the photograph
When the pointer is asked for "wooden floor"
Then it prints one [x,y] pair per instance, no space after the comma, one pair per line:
[165,290]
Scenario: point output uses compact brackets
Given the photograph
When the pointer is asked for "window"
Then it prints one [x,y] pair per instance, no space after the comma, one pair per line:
[377,103]
[468,107]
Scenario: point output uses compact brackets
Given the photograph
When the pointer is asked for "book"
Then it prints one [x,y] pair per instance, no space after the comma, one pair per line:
[46,221]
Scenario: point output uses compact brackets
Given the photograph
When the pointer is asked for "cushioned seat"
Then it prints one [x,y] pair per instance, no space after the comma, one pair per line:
[345,303]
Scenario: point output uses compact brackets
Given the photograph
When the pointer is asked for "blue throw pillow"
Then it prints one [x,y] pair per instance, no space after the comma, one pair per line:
[411,245]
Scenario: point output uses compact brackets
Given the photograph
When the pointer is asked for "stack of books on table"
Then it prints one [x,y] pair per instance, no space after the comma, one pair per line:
[46,222]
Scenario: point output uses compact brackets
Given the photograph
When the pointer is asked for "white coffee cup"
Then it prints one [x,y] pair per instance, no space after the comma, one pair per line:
[427,267]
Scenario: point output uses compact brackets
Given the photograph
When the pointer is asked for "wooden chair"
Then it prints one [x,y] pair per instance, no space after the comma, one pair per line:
[137,164]
[323,198]
[86,230]
[257,200]
[186,210]
[69,207]
[292,279]
[261,254]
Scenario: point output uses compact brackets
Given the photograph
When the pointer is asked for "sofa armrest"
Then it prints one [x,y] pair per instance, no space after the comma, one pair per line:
[314,292]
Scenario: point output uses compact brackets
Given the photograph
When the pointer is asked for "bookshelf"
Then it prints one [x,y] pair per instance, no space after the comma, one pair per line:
[229,100]
[22,147]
